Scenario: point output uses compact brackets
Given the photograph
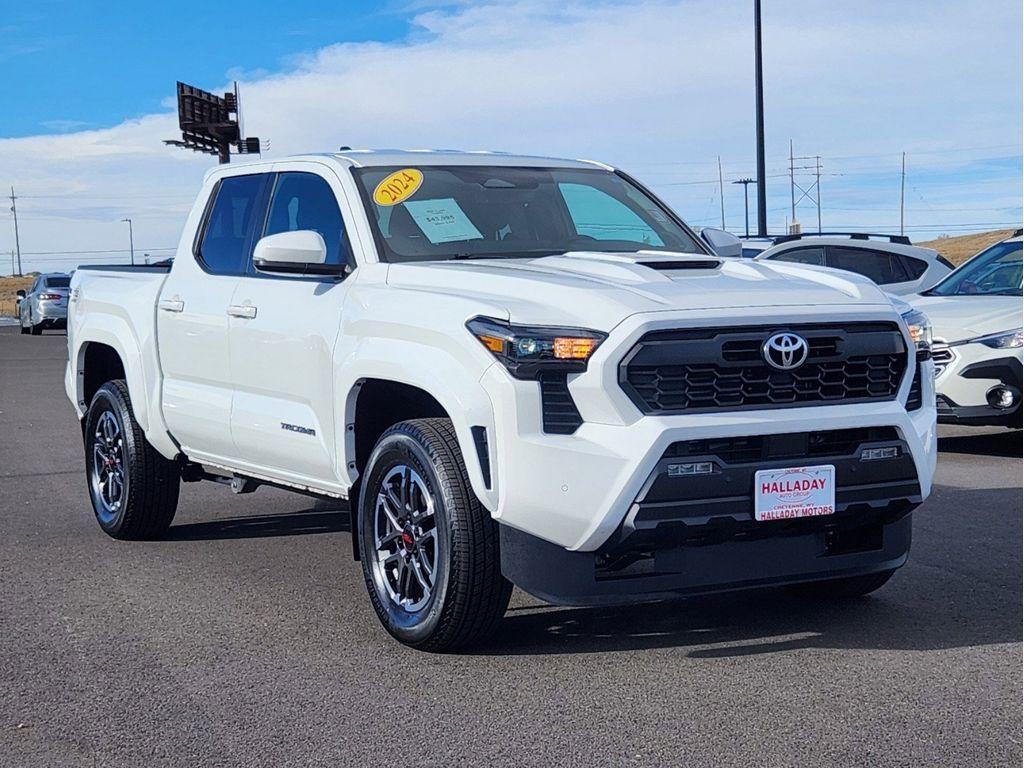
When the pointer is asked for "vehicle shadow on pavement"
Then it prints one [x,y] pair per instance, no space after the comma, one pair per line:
[1009,444]
[304,523]
[961,588]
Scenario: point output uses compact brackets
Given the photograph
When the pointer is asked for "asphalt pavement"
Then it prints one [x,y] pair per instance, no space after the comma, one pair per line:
[247,639]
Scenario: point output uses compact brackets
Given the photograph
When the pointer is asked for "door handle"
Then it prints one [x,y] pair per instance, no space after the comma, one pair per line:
[242,310]
[172,305]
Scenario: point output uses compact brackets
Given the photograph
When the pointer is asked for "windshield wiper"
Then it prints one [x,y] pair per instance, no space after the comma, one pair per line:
[517,255]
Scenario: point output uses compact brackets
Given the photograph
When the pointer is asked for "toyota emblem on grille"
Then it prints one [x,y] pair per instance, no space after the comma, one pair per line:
[785,351]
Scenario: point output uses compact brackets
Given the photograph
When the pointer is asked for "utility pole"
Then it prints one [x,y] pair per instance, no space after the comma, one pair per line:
[131,240]
[903,185]
[17,241]
[810,191]
[762,196]
[721,190]
[746,206]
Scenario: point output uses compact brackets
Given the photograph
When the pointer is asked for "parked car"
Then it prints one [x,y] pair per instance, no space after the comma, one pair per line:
[518,370]
[889,260]
[45,304]
[977,319]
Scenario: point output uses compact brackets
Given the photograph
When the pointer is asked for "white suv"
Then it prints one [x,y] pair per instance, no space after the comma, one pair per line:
[888,260]
[976,318]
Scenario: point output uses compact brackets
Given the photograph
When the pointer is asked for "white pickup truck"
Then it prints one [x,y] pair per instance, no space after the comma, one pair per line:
[518,370]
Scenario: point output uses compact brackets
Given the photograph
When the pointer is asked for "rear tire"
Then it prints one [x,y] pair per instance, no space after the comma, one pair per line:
[429,549]
[852,586]
[37,329]
[24,329]
[134,490]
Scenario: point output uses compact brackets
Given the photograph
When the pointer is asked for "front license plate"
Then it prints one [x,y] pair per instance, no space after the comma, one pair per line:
[783,494]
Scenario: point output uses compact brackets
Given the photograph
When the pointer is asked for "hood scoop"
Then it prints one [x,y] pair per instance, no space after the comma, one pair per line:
[674,265]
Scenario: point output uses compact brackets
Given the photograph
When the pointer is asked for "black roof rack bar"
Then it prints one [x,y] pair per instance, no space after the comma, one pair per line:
[901,239]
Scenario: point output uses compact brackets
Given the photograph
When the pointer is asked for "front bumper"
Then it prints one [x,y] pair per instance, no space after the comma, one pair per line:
[575,490]
[963,386]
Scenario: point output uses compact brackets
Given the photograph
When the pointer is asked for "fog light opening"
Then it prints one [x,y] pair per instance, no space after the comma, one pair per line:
[875,454]
[1001,397]
[695,468]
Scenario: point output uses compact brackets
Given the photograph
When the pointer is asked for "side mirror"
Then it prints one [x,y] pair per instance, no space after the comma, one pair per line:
[302,252]
[21,295]
[724,244]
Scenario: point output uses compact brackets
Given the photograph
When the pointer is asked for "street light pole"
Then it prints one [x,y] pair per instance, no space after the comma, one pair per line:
[762,196]
[131,240]
[746,204]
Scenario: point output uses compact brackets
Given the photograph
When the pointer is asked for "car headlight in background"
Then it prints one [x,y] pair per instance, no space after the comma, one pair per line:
[920,328]
[1002,340]
[530,350]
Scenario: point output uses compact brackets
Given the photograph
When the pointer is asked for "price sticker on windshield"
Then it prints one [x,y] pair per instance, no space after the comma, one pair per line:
[398,187]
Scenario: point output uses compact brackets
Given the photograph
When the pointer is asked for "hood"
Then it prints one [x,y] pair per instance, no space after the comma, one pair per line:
[957,318]
[599,290]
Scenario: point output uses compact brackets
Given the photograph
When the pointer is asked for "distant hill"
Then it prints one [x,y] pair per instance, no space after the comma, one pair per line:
[960,248]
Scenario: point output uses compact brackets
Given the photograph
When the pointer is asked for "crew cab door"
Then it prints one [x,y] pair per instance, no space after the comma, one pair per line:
[192,319]
[283,330]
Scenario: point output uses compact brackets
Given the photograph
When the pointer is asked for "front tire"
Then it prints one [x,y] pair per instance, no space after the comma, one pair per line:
[429,550]
[852,586]
[134,490]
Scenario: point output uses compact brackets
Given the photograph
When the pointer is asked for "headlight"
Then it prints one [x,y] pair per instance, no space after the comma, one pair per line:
[1003,340]
[920,328]
[530,350]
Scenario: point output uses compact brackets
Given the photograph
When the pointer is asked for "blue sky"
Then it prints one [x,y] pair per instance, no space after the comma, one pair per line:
[662,88]
[74,65]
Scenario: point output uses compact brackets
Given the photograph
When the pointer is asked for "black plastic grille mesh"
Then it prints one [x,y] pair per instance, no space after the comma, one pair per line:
[700,371]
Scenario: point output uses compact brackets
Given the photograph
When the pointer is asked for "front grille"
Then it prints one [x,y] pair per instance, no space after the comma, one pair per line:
[942,355]
[688,371]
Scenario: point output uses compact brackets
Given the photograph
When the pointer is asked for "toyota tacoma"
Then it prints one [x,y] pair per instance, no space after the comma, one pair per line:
[517,370]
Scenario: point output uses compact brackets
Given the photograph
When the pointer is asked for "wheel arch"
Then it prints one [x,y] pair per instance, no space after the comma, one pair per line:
[104,350]
[377,401]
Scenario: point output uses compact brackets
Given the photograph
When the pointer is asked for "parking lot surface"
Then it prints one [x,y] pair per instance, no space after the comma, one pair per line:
[246,638]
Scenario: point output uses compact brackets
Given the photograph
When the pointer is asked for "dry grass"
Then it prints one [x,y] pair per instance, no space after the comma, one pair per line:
[9,286]
[959,249]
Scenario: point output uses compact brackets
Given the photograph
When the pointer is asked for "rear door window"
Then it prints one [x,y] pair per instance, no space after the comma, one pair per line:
[228,237]
[878,266]
[802,256]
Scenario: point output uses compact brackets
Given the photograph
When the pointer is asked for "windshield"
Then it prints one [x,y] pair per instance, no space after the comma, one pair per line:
[58,282]
[450,212]
[993,272]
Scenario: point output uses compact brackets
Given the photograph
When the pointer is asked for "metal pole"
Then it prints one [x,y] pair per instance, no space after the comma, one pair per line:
[762,196]
[792,188]
[721,190]
[817,184]
[903,184]
[17,240]
[131,240]
[746,210]
[746,202]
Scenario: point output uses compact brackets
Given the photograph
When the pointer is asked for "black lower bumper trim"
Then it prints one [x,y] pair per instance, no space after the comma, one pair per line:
[559,576]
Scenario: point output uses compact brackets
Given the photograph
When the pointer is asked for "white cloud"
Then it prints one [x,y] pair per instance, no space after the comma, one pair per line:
[659,88]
